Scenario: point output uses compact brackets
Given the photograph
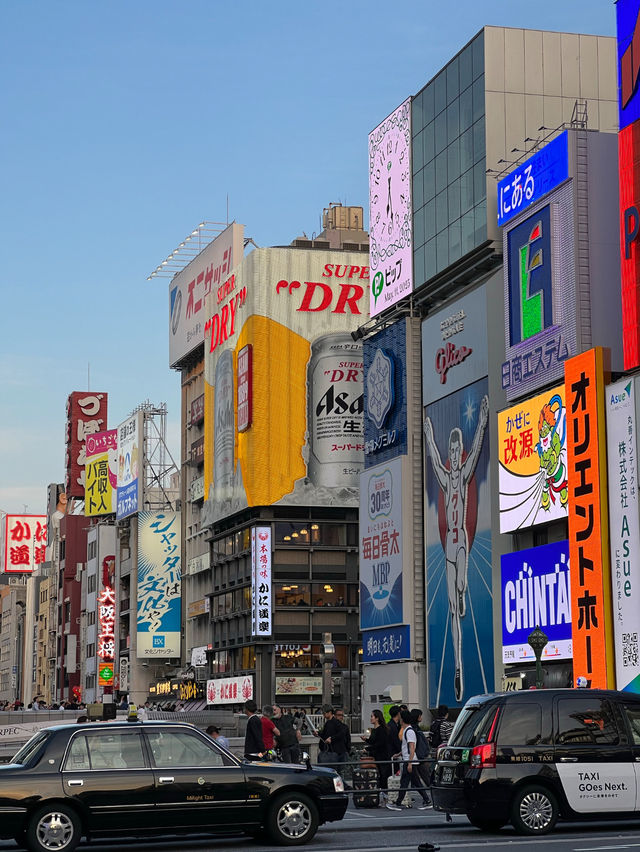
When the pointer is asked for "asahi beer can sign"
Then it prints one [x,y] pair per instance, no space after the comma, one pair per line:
[335,417]
[224,421]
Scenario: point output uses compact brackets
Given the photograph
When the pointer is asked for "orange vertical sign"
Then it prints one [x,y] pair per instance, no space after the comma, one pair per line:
[593,650]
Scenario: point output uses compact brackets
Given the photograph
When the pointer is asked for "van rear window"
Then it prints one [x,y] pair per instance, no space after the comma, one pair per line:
[473,725]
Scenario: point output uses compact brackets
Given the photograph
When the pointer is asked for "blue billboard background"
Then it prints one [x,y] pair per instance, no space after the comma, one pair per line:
[382,646]
[459,410]
[626,21]
[390,439]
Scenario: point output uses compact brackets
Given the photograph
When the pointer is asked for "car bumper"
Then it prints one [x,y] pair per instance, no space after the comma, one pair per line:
[333,807]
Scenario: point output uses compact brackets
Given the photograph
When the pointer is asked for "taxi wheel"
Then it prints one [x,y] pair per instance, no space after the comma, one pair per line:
[53,828]
[534,811]
[292,819]
[486,824]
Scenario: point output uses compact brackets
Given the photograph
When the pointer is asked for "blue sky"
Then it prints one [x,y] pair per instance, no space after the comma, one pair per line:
[125,124]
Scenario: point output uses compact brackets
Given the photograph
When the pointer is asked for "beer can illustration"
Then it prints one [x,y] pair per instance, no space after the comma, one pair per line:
[335,418]
[224,427]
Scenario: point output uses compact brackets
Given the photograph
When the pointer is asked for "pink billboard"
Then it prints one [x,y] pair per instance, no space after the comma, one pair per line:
[390,242]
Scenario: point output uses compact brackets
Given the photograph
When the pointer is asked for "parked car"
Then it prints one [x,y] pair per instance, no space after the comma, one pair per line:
[155,779]
[531,757]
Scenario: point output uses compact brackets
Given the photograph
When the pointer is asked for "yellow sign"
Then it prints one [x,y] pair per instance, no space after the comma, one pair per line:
[100,473]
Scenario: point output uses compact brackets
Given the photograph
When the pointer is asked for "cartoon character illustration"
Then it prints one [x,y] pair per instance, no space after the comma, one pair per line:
[551,452]
[454,482]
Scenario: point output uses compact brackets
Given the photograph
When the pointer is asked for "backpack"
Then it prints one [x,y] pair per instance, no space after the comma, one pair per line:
[436,736]
[422,748]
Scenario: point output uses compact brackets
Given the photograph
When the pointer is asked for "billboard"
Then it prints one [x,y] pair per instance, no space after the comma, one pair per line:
[301,440]
[25,543]
[159,585]
[390,209]
[454,346]
[532,467]
[385,394]
[86,415]
[230,690]
[537,176]
[588,519]
[386,645]
[261,586]
[624,529]
[536,592]
[299,686]
[381,546]
[130,465]
[189,289]
[458,554]
[101,473]
[628,38]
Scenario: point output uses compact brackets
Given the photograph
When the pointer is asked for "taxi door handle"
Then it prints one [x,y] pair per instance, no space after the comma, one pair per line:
[568,760]
[166,779]
[78,783]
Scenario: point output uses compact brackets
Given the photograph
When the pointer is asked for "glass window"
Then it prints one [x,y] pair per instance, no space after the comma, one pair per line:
[465,68]
[478,141]
[248,659]
[292,533]
[454,241]
[453,122]
[330,535]
[473,725]
[466,109]
[177,748]
[417,161]
[418,227]
[429,220]
[478,99]
[480,215]
[633,717]
[115,750]
[78,755]
[453,85]
[339,659]
[417,121]
[428,110]
[520,725]
[442,250]
[428,142]
[246,539]
[466,150]
[442,212]
[586,720]
[441,171]
[440,131]
[246,597]
[454,201]
[429,180]
[453,160]
[328,594]
[418,265]
[479,183]
[468,231]
[477,47]
[293,656]
[418,195]
[439,92]
[466,191]
[292,594]
[430,263]
[220,662]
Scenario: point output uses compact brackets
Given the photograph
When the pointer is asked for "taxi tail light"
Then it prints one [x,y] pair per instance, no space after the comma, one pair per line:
[484,756]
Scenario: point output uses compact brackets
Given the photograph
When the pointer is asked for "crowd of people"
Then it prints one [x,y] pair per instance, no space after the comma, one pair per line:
[40,704]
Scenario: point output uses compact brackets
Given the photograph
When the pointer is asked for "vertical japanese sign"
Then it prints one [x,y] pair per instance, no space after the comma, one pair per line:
[159,584]
[261,591]
[101,473]
[25,542]
[622,455]
[86,415]
[381,546]
[533,461]
[130,465]
[106,636]
[588,521]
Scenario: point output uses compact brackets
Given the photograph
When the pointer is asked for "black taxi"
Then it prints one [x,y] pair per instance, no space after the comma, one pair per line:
[534,756]
[104,780]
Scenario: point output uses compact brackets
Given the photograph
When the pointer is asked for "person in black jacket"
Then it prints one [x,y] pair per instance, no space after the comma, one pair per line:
[393,727]
[334,736]
[288,735]
[378,746]
[253,742]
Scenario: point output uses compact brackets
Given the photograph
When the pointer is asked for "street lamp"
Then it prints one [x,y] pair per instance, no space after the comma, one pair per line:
[326,659]
[538,641]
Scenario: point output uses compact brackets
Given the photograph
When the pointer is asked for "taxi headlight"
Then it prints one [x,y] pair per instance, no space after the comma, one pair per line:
[338,784]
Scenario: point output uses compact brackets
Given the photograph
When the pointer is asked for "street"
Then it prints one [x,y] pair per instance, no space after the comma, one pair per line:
[403,832]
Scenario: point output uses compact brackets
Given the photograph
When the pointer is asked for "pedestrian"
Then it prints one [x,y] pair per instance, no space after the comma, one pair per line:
[214,733]
[393,727]
[339,714]
[441,727]
[81,719]
[333,735]
[288,735]
[422,748]
[269,730]
[378,746]
[253,742]
[410,776]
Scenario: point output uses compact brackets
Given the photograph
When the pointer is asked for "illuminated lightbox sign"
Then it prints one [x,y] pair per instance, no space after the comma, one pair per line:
[25,542]
[628,37]
[533,179]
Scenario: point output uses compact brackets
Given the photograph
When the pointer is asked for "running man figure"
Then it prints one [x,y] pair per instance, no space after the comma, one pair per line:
[454,483]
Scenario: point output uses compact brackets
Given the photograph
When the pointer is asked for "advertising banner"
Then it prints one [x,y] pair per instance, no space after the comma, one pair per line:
[293,434]
[624,529]
[536,592]
[454,346]
[130,465]
[390,212]
[159,584]
[25,543]
[386,645]
[189,289]
[261,586]
[385,394]
[628,38]
[532,467]
[230,690]
[86,415]
[298,686]
[592,632]
[101,473]
[458,558]
[381,545]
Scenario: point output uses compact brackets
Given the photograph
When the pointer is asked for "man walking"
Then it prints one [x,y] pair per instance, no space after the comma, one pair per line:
[410,774]
[288,735]
[253,742]
[334,735]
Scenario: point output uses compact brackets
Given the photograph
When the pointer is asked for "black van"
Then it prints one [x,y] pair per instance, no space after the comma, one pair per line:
[531,757]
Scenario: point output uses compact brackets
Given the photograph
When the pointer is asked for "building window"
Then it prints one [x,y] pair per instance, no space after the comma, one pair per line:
[91,650]
[91,583]
[292,594]
[248,658]
[92,550]
[328,594]
[91,618]
[90,681]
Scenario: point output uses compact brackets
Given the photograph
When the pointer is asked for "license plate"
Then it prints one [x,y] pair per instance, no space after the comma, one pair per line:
[447,775]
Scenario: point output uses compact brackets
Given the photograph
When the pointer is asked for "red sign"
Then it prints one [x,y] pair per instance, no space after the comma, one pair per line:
[197,451]
[222,325]
[245,388]
[25,542]
[448,356]
[86,415]
[107,617]
[197,410]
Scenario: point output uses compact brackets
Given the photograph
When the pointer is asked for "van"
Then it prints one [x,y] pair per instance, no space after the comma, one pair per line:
[532,757]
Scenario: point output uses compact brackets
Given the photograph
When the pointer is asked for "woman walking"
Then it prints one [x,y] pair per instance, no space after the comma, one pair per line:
[378,743]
